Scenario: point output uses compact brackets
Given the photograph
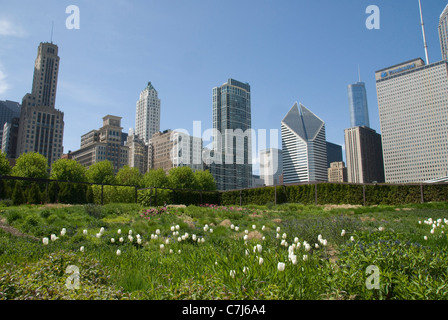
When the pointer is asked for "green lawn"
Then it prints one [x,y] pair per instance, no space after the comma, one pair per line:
[206,253]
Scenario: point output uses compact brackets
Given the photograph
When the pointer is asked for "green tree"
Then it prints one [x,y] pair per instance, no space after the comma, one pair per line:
[155,178]
[33,194]
[31,165]
[204,180]
[5,168]
[182,178]
[129,176]
[101,172]
[18,197]
[68,170]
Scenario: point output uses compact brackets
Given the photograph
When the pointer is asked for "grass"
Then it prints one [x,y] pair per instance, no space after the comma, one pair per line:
[225,265]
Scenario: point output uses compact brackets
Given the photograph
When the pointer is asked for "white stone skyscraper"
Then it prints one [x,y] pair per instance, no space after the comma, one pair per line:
[41,125]
[304,147]
[413,109]
[443,33]
[147,117]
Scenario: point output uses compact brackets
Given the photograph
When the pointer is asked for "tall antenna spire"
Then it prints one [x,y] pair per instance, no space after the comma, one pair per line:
[359,74]
[423,30]
[52,26]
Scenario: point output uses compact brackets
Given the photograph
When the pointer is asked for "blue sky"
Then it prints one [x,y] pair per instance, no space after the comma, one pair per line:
[287,50]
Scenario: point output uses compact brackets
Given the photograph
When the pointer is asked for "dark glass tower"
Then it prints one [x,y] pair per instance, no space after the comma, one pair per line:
[232,168]
[359,111]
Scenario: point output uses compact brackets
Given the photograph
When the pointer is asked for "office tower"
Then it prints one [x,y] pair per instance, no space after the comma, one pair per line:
[337,172]
[232,145]
[357,101]
[41,126]
[147,117]
[9,138]
[271,166]
[8,111]
[103,144]
[304,147]
[171,149]
[138,152]
[443,33]
[334,153]
[413,109]
[364,155]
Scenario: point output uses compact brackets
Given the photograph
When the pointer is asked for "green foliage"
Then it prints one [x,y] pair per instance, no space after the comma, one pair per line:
[68,170]
[31,165]
[155,178]
[204,180]
[5,168]
[129,176]
[101,172]
[33,195]
[182,178]
[18,196]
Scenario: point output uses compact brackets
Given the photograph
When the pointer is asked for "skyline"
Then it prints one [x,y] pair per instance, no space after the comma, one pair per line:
[109,61]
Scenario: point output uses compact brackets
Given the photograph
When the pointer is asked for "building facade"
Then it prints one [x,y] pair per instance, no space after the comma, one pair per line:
[304,147]
[358,107]
[103,144]
[8,111]
[271,166]
[337,172]
[41,125]
[443,33]
[364,155]
[334,153]
[413,109]
[232,145]
[137,152]
[147,116]
[171,149]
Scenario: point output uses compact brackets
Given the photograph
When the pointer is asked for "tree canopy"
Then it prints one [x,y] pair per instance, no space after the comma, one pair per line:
[101,172]
[5,168]
[129,176]
[31,165]
[68,170]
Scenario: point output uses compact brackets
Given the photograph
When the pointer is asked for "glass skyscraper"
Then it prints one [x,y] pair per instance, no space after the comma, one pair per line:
[443,33]
[232,165]
[357,99]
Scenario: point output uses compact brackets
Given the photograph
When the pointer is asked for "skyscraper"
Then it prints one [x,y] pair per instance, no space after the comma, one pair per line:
[8,111]
[41,126]
[359,111]
[232,168]
[271,166]
[304,147]
[413,109]
[443,33]
[364,155]
[147,117]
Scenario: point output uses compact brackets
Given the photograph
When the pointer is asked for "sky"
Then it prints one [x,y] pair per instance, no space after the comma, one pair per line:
[287,50]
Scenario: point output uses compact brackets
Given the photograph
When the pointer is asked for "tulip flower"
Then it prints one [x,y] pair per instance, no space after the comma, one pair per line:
[81,249]
[293,259]
[102,230]
[305,257]
[53,237]
[118,252]
[264,238]
[172,228]
[245,269]
[139,240]
[193,237]
[112,240]
[284,236]
[425,237]
[177,227]
[260,261]
[381,228]
[254,227]
[343,233]
[263,228]
[237,228]
[278,229]
[211,230]
[131,238]
[259,248]
[232,273]
[171,251]
[232,227]
[157,231]
[121,239]
[167,241]
[202,240]
[84,232]
[246,231]
[63,232]
[352,238]
[45,241]
[281,266]
[246,237]
[179,251]
[119,231]
[98,235]
[162,247]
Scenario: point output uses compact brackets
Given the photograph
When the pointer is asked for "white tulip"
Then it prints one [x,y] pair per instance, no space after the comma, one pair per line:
[171,251]
[352,238]
[232,273]
[425,237]
[202,240]
[343,233]
[283,242]
[172,228]
[237,228]
[84,232]
[296,240]
[316,246]
[193,237]
[246,231]
[259,248]
[98,235]
[232,227]
[121,239]
[263,228]
[139,240]
[381,228]
[179,251]
[281,266]
[245,269]
[324,242]
[81,249]
[102,230]
[305,257]
[246,237]
[177,227]
[131,238]
[53,237]
[167,241]
[156,237]
[211,230]
[284,236]
[118,252]
[254,227]
[278,236]
[162,247]
[179,239]
[45,241]
[293,259]
[432,231]
[278,229]
[157,231]
[63,232]
[247,252]
[119,231]
[260,261]
[264,238]
[112,240]
[307,247]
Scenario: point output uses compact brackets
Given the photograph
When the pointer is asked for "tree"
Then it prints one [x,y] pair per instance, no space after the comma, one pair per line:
[68,170]
[5,168]
[101,172]
[129,176]
[204,180]
[182,178]
[31,165]
[155,178]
